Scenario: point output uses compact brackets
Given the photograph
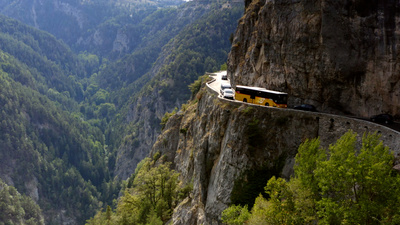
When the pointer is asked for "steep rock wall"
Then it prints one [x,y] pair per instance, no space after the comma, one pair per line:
[341,56]
[215,142]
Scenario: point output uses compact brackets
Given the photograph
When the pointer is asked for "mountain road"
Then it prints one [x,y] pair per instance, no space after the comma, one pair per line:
[215,84]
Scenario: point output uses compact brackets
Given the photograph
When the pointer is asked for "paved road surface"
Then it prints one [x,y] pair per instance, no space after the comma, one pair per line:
[216,85]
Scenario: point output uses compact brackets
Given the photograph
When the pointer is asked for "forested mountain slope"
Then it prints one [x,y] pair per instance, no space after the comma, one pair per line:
[72,122]
[16,208]
[199,46]
[47,151]
[56,66]
[106,28]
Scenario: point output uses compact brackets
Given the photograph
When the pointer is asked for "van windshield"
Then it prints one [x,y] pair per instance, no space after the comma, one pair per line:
[229,91]
[223,86]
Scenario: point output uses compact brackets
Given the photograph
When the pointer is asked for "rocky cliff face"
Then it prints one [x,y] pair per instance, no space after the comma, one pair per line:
[228,150]
[213,144]
[341,56]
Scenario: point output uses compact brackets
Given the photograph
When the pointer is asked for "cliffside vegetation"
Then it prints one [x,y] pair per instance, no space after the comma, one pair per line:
[150,196]
[343,184]
[18,209]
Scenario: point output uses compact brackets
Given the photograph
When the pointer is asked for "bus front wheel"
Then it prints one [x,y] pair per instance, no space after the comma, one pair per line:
[267,104]
[245,100]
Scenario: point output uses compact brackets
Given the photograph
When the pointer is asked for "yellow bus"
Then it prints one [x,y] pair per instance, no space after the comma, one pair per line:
[261,96]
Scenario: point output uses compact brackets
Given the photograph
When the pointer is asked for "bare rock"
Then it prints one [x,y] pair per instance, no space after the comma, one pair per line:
[339,55]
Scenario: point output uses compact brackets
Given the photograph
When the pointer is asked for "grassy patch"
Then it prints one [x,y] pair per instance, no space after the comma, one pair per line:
[166,117]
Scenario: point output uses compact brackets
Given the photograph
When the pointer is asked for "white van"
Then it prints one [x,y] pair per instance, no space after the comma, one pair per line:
[224,86]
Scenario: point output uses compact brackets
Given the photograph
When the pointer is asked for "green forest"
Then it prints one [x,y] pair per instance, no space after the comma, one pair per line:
[343,184]
[18,209]
[64,106]
[43,137]
[76,21]
[150,196]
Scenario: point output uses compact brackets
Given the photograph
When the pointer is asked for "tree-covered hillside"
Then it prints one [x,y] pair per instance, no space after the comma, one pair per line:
[103,27]
[199,46]
[48,61]
[152,193]
[47,150]
[344,184]
[73,124]
[18,209]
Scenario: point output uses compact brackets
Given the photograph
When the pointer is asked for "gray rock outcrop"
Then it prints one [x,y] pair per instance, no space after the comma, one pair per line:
[341,56]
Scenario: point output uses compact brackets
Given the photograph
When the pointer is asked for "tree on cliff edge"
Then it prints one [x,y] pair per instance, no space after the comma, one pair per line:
[339,185]
[150,197]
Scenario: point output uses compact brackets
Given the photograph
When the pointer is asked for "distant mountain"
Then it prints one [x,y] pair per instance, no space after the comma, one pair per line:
[102,27]
[53,61]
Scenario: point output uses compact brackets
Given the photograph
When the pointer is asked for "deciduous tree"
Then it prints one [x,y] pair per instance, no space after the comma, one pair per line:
[344,184]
